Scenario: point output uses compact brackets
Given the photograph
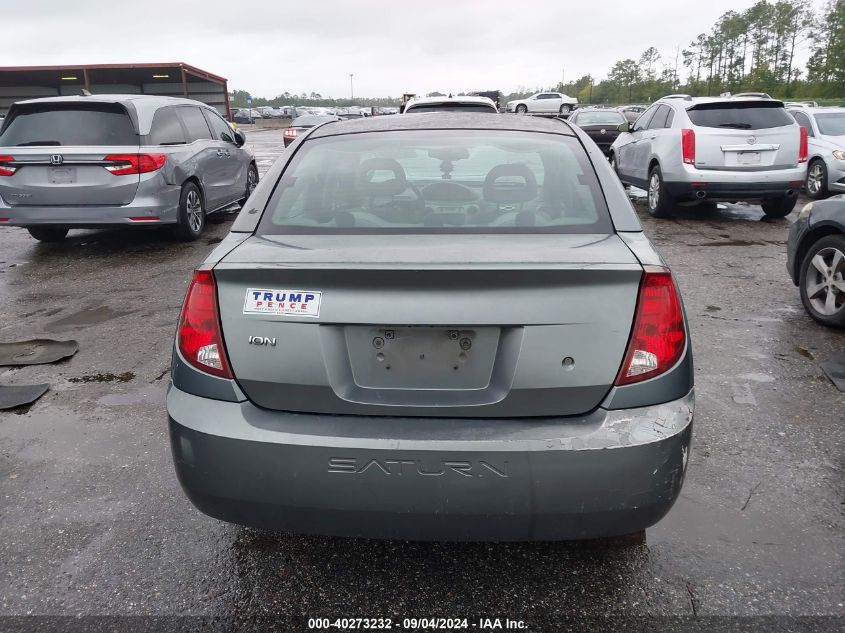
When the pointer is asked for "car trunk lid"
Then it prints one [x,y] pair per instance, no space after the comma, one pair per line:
[508,325]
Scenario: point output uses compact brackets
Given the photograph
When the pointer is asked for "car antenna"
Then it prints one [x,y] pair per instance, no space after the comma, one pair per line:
[85,93]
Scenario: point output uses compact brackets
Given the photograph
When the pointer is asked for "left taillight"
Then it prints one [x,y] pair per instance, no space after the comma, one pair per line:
[7,166]
[290,133]
[200,334]
[658,337]
[128,164]
[803,146]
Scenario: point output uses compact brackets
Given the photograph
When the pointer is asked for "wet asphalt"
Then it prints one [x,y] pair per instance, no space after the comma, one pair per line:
[93,521]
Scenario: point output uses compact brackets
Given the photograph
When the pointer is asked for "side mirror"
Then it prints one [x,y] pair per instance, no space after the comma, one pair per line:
[624,127]
[240,138]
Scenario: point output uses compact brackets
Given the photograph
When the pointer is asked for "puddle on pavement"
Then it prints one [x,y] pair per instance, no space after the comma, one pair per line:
[106,377]
[86,317]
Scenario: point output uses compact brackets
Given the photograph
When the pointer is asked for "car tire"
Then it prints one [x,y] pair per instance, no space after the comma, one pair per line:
[658,201]
[251,182]
[779,207]
[565,109]
[522,109]
[48,233]
[191,213]
[821,281]
[816,182]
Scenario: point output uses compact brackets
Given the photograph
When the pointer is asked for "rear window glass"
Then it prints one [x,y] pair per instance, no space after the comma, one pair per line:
[599,118]
[832,124]
[752,116]
[310,120]
[57,125]
[450,107]
[434,181]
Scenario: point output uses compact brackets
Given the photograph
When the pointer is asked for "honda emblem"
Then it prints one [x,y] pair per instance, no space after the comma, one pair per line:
[56,159]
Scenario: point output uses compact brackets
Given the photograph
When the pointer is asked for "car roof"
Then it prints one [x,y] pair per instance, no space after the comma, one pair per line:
[689,102]
[136,100]
[459,99]
[445,121]
[819,110]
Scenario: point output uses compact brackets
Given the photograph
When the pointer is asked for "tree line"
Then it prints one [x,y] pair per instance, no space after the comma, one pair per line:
[749,51]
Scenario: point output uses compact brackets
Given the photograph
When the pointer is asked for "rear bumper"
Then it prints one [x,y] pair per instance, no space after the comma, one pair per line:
[607,473]
[163,205]
[733,190]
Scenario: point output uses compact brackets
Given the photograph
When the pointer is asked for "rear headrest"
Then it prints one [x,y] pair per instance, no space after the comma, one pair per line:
[510,192]
[392,187]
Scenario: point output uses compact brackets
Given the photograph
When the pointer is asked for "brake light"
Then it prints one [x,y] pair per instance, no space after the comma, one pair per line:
[290,133]
[127,164]
[803,149]
[688,146]
[200,337]
[658,337]
[7,169]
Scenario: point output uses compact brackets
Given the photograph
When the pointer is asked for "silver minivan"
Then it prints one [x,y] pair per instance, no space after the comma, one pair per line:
[721,149]
[125,160]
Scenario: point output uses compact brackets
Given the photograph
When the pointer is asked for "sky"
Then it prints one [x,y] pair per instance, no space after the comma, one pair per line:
[390,46]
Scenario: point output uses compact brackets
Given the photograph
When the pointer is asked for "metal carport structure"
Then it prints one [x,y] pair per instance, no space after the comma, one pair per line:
[175,79]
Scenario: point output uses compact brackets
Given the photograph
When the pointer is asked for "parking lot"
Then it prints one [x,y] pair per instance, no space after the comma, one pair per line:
[94,521]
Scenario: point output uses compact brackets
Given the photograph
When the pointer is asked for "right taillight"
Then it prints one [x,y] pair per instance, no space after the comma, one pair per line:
[7,167]
[128,164]
[200,338]
[658,338]
[803,146]
[688,146]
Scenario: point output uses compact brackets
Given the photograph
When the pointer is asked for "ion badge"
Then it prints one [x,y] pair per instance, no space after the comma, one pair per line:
[302,303]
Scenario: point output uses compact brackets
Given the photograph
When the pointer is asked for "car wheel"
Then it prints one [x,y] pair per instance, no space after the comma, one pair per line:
[191,213]
[251,182]
[522,109]
[779,207]
[822,281]
[816,184]
[48,233]
[565,109]
[659,202]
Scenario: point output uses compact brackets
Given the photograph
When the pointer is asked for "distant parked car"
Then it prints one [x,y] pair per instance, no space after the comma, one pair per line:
[270,113]
[632,112]
[245,116]
[601,125]
[544,103]
[420,105]
[816,259]
[826,137]
[751,95]
[716,149]
[119,160]
[302,123]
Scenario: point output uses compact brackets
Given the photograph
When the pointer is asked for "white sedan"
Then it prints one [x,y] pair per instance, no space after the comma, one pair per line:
[544,103]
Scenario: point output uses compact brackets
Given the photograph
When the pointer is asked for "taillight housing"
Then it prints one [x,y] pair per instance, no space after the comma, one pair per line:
[200,337]
[658,337]
[688,146]
[290,133]
[7,168]
[803,146]
[127,164]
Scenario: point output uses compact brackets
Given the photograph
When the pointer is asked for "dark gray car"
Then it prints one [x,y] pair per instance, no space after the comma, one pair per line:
[442,326]
[126,160]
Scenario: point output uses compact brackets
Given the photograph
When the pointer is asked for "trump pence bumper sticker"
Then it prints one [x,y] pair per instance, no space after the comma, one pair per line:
[301,303]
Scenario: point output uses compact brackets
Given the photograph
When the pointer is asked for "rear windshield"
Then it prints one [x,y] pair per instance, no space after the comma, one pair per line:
[832,124]
[599,118]
[740,116]
[69,125]
[439,181]
[450,107]
[311,120]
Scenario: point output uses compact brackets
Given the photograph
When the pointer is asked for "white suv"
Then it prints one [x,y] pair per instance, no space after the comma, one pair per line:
[544,103]
[730,149]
